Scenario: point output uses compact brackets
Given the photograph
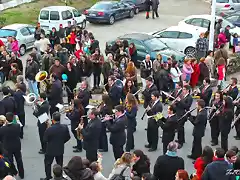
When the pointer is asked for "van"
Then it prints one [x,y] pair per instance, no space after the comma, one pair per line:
[53,16]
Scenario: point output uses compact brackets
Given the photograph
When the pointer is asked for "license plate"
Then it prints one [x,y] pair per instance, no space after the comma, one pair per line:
[92,14]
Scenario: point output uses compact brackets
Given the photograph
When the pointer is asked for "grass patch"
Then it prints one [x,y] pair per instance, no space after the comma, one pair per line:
[28,13]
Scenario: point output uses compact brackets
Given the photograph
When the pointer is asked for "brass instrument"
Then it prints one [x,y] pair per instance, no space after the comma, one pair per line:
[176,99]
[30,98]
[79,135]
[111,115]
[197,90]
[41,77]
[226,88]
[157,116]
[216,112]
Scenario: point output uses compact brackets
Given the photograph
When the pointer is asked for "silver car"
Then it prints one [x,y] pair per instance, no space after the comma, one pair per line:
[24,33]
[227,5]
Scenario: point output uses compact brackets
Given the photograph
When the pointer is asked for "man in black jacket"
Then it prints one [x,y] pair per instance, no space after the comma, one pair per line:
[10,134]
[40,109]
[150,87]
[199,122]
[152,127]
[8,103]
[117,129]
[206,91]
[232,91]
[115,92]
[55,137]
[91,135]
[169,125]
[55,96]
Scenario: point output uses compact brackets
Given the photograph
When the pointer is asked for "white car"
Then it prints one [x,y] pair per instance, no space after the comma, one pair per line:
[53,16]
[202,22]
[24,33]
[227,5]
[179,38]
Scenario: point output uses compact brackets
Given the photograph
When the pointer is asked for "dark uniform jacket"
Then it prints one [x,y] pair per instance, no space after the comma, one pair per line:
[8,104]
[55,95]
[43,108]
[233,92]
[225,120]
[168,126]
[55,137]
[84,96]
[75,117]
[19,99]
[206,94]
[115,94]
[10,135]
[184,105]
[117,129]
[199,122]
[91,134]
[155,108]
[147,94]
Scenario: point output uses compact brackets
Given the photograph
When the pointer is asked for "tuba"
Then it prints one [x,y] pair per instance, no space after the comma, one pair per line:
[41,77]
[10,84]
[30,98]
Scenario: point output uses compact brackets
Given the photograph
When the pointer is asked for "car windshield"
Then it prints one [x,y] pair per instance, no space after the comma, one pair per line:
[222,1]
[4,33]
[226,22]
[155,44]
[101,6]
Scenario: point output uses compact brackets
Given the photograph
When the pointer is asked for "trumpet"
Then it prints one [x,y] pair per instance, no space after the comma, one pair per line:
[197,90]
[111,115]
[226,88]
[78,129]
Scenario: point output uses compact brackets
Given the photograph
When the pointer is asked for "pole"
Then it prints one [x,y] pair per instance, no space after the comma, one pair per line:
[211,34]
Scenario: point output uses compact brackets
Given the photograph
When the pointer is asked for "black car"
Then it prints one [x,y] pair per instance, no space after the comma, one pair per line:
[139,5]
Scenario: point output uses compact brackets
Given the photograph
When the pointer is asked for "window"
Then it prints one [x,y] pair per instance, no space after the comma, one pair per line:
[76,13]
[101,6]
[232,18]
[66,15]
[188,21]
[235,1]
[122,6]
[54,15]
[44,15]
[4,33]
[25,32]
[139,45]
[184,35]
[196,22]
[31,29]
[155,44]
[115,6]
[206,23]
[169,34]
[222,1]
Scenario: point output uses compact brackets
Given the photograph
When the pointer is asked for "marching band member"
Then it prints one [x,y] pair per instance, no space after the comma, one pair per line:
[215,104]
[115,92]
[150,87]
[19,99]
[199,122]
[41,108]
[237,123]
[131,114]
[168,125]
[130,88]
[225,120]
[91,134]
[152,127]
[55,96]
[55,137]
[206,91]
[232,91]
[104,109]
[117,129]
[74,115]
[182,105]
[178,89]
[8,103]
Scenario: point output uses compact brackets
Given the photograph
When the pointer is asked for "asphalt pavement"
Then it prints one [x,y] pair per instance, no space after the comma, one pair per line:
[171,12]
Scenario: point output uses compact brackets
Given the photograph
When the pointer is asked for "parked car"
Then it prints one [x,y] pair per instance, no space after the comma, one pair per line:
[53,16]
[108,12]
[24,33]
[227,5]
[148,44]
[179,38]
[139,5]
[202,23]
[225,14]
[234,19]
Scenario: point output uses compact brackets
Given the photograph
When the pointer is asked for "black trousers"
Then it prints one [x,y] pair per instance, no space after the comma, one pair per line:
[22,120]
[79,142]
[130,139]
[48,160]
[237,128]
[41,130]
[215,131]
[181,130]
[18,157]
[152,136]
[165,144]
[91,155]
[224,141]
[155,12]
[105,82]
[103,141]
[117,151]
[53,109]
[96,80]
[197,146]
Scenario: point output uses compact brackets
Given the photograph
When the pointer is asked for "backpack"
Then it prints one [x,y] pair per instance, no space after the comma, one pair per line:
[119,176]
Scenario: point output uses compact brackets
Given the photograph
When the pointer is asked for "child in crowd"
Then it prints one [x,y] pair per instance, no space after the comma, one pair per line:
[235,42]
[57,172]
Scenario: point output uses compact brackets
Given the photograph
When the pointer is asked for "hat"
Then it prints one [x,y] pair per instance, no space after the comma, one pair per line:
[172,146]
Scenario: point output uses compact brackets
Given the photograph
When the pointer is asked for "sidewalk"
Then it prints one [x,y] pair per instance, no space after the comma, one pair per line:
[13,3]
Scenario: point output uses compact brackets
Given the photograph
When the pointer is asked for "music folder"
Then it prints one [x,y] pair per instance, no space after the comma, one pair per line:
[43,118]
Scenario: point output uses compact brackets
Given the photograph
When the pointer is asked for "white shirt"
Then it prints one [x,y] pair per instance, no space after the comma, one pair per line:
[43,43]
[155,103]
[176,73]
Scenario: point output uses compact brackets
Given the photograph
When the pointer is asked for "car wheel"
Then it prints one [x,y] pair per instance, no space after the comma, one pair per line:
[111,20]
[131,14]
[136,10]
[84,24]
[22,50]
[190,51]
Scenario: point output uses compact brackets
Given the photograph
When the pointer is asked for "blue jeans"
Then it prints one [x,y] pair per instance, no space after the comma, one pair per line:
[33,88]
[2,77]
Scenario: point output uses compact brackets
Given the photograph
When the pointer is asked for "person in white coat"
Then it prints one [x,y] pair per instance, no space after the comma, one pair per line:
[175,73]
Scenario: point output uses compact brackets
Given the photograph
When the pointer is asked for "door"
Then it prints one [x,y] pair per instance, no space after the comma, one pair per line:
[185,40]
[32,31]
[27,37]
[118,12]
[44,19]
[54,20]
[77,16]
[141,49]
[170,38]
[124,9]
[196,23]
[236,5]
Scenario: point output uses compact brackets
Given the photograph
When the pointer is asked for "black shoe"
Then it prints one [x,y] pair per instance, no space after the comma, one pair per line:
[21,176]
[152,149]
[75,147]
[147,146]
[153,17]
[237,138]
[191,157]
[145,129]
[176,140]
[77,150]
[102,150]
[45,178]
[180,146]
[147,17]
[41,151]
[214,144]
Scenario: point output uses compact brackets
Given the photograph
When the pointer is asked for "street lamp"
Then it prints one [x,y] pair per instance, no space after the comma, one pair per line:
[212,26]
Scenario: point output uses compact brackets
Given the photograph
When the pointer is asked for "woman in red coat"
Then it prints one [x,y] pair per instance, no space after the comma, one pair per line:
[195,74]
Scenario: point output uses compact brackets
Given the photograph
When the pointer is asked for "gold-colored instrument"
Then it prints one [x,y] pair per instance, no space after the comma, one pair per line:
[10,84]
[79,135]
[157,116]
[42,78]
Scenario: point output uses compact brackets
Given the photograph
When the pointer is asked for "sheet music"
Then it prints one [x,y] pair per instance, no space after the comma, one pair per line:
[59,106]
[43,118]
[90,106]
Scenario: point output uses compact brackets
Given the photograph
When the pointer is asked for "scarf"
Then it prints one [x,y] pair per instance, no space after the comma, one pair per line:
[171,153]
